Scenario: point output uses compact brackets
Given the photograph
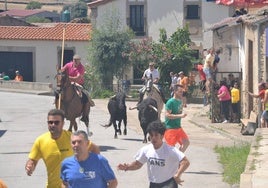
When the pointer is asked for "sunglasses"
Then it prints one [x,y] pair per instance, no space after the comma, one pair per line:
[53,122]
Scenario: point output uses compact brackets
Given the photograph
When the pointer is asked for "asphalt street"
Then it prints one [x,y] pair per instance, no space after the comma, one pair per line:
[24,118]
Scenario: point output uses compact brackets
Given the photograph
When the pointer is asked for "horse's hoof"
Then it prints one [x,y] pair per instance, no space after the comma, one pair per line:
[125,132]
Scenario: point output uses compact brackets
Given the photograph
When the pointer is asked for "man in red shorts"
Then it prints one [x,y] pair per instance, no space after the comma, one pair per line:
[174,133]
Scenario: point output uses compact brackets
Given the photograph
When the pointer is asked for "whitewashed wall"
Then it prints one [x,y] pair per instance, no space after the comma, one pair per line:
[45,55]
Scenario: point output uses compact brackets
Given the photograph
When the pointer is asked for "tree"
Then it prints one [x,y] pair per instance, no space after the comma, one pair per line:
[35,19]
[79,10]
[108,45]
[33,5]
[173,53]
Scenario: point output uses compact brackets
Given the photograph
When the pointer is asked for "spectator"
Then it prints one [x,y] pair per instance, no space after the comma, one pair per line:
[184,83]
[202,76]
[174,78]
[18,76]
[208,66]
[235,99]
[224,98]
[216,60]
[4,76]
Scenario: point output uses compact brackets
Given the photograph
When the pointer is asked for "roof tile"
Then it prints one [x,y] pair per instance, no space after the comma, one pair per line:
[73,31]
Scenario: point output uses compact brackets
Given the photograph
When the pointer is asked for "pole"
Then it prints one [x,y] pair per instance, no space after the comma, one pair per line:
[62,56]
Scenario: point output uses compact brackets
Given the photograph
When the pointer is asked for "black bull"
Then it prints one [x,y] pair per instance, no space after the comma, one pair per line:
[118,112]
[147,113]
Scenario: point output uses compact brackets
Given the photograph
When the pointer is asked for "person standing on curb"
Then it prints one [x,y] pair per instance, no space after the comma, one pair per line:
[86,169]
[235,99]
[165,164]
[53,147]
[174,133]
[225,100]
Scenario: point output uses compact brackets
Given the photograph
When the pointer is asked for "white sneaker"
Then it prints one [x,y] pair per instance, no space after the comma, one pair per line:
[225,121]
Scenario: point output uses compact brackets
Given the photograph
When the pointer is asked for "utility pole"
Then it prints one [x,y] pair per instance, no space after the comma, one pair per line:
[5,5]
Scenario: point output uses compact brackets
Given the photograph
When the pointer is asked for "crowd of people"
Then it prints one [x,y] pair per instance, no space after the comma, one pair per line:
[18,77]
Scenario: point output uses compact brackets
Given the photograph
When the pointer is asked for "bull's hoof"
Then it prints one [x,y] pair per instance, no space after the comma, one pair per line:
[125,132]
[119,132]
[115,136]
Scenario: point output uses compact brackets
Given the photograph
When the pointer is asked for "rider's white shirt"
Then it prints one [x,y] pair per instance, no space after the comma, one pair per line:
[148,72]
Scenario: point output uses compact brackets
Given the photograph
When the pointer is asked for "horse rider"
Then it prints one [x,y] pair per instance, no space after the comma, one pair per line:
[152,73]
[76,72]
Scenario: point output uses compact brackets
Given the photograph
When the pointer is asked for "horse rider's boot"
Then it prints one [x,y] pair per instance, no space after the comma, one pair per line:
[140,97]
[85,112]
[91,102]
[163,97]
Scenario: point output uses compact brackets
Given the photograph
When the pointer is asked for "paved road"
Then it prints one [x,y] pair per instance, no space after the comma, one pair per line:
[24,118]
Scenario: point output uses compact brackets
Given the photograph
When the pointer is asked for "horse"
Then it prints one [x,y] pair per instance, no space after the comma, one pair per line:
[71,102]
[151,90]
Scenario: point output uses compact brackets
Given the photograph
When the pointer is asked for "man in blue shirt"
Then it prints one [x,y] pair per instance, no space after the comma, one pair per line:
[84,169]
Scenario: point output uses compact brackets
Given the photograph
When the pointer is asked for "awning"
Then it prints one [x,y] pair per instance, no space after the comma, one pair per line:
[243,3]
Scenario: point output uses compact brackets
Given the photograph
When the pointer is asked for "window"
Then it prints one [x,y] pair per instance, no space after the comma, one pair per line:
[192,12]
[136,21]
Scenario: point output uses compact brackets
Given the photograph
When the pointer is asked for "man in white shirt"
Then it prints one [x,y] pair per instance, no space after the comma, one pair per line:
[153,73]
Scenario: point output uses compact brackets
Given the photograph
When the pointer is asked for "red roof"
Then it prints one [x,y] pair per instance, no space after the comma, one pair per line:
[73,31]
[243,3]
[96,3]
[21,12]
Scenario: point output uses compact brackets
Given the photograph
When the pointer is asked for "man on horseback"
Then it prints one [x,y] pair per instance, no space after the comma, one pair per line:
[76,73]
[152,73]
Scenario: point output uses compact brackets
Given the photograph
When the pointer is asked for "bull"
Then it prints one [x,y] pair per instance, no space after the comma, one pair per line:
[147,113]
[118,112]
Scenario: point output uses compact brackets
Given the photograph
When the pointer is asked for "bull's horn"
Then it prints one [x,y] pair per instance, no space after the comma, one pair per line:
[132,108]
[154,108]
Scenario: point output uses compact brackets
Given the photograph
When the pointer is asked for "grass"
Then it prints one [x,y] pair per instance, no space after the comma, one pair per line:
[234,160]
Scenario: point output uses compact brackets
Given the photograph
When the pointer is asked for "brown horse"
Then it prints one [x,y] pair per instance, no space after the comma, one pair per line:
[71,102]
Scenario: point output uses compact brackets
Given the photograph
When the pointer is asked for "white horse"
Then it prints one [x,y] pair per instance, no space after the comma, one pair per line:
[151,90]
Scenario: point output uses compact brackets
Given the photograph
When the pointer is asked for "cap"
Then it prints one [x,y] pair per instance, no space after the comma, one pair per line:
[17,72]
[76,57]
[181,72]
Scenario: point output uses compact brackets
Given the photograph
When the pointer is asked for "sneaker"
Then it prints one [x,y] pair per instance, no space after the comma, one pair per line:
[225,121]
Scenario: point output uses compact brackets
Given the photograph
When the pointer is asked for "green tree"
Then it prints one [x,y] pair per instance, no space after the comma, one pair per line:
[33,5]
[35,19]
[170,54]
[79,10]
[108,45]
[174,53]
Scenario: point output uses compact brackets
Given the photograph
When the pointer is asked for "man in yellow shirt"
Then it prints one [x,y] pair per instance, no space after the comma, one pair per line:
[53,147]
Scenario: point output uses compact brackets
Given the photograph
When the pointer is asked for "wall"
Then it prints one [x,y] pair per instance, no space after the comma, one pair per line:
[45,55]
